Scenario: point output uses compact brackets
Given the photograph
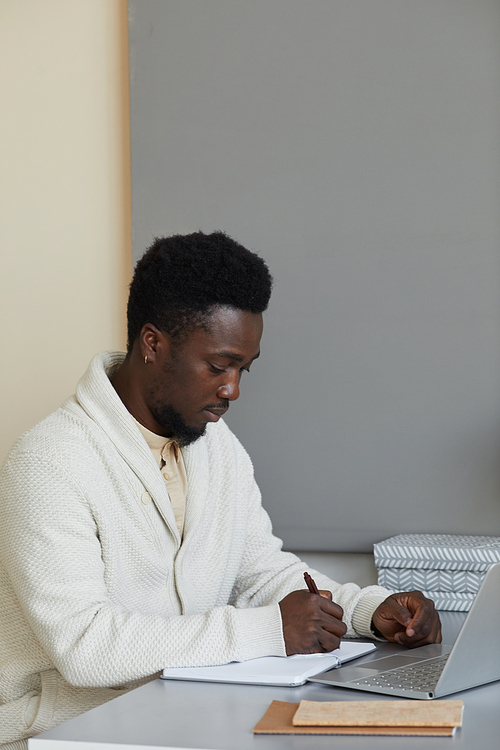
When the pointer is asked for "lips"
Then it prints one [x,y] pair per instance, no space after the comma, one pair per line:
[214,413]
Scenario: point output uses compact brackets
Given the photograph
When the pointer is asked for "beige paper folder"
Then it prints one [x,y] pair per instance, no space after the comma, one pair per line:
[379,713]
[279,719]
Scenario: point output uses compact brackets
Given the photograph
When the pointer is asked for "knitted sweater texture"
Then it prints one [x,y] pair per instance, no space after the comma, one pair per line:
[97,592]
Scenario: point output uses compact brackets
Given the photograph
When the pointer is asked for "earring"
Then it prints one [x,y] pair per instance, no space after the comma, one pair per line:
[146,359]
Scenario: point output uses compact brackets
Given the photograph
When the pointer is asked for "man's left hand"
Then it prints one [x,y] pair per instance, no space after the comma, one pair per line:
[408,618]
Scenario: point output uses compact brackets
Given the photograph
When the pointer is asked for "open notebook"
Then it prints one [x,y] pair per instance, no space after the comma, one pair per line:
[283,671]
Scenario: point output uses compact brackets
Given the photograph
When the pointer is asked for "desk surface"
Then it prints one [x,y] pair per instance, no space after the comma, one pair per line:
[205,716]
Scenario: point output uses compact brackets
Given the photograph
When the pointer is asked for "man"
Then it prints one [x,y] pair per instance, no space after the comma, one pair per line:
[132,535]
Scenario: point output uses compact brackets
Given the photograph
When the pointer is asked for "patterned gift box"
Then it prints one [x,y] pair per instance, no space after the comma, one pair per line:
[443,581]
[449,601]
[438,551]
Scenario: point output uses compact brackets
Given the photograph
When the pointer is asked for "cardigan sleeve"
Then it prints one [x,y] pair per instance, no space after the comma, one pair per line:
[50,550]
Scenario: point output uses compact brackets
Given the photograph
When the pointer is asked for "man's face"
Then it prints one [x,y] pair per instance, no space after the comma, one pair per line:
[197,379]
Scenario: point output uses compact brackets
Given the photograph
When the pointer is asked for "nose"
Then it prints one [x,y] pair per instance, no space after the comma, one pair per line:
[230,389]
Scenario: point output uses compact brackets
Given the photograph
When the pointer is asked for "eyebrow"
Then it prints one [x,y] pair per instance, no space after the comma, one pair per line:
[237,357]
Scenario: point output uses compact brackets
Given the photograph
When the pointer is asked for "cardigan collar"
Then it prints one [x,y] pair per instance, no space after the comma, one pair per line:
[97,397]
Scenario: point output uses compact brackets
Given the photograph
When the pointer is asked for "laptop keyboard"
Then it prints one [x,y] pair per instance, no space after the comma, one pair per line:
[416,677]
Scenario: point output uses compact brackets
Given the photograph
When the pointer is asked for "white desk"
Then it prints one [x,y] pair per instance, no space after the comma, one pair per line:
[206,716]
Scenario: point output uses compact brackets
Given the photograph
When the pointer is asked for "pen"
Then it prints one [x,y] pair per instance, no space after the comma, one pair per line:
[311,584]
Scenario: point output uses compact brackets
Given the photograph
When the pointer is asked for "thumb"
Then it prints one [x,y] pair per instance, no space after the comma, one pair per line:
[326,594]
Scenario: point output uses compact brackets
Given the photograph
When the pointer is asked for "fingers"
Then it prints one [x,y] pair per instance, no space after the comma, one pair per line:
[408,618]
[311,623]
[428,631]
[328,617]
[424,626]
[326,594]
[329,607]
[402,616]
[333,628]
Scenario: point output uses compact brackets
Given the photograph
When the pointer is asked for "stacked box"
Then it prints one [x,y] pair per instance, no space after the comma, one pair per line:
[447,568]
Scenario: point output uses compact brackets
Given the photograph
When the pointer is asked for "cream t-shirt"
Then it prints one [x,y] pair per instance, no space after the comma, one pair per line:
[169,458]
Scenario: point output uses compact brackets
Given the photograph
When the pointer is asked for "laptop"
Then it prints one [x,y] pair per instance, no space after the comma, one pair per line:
[433,671]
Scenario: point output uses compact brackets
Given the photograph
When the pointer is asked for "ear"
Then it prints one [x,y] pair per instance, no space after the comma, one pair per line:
[154,344]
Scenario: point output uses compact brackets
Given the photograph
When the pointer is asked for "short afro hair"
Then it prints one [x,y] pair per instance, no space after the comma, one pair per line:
[180,280]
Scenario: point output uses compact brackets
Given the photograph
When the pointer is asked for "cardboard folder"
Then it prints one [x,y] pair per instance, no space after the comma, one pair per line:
[439,718]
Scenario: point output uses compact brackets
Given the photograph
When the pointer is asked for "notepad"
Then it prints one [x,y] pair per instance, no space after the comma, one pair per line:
[282,671]
[379,713]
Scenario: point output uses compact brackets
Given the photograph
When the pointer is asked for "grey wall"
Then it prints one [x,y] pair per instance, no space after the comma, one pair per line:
[355,145]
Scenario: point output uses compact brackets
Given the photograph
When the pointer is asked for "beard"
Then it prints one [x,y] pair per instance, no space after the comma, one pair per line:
[174,424]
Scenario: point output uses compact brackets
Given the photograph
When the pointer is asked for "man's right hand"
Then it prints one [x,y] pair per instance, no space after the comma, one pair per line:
[311,623]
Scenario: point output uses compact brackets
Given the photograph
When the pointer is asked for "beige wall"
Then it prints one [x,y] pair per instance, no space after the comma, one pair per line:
[65,233]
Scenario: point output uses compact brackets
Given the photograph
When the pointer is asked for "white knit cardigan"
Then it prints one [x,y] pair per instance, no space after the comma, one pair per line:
[97,592]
